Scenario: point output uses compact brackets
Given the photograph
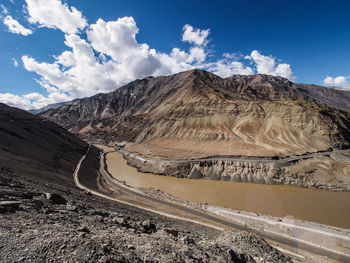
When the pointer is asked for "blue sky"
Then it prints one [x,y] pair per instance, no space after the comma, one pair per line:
[53,51]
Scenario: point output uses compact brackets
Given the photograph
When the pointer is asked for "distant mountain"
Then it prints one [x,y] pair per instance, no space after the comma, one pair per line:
[196,113]
[49,107]
[335,97]
[38,149]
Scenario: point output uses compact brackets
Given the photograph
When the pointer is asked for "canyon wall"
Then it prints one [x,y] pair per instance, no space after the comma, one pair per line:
[247,171]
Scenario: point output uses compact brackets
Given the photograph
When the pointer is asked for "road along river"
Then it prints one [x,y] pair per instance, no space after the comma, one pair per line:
[320,206]
[110,188]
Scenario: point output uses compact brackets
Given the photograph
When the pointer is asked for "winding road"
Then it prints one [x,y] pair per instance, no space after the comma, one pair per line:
[130,196]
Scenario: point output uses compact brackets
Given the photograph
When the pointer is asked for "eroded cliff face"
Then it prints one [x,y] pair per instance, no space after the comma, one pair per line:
[262,171]
[198,114]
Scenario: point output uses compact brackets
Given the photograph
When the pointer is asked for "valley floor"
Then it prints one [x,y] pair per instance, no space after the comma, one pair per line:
[336,247]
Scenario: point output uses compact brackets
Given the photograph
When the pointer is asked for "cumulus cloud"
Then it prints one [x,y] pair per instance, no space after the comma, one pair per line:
[109,56]
[15,63]
[55,14]
[226,68]
[15,27]
[197,37]
[268,65]
[340,82]
[33,100]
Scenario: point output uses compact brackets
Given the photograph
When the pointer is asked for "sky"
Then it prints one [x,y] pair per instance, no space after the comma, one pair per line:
[58,50]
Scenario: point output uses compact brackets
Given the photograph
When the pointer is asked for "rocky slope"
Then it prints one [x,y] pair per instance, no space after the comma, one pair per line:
[35,147]
[44,222]
[197,114]
[45,218]
[334,97]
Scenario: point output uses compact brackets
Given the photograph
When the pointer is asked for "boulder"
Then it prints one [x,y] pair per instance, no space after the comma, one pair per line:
[172,232]
[9,206]
[148,227]
[72,208]
[56,198]
[235,257]
[38,203]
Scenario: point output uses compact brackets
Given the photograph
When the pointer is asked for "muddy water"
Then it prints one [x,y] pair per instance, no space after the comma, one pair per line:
[325,207]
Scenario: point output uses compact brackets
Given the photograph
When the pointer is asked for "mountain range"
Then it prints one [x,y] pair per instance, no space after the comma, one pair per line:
[196,113]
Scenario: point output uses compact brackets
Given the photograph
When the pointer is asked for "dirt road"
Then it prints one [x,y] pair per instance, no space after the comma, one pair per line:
[115,190]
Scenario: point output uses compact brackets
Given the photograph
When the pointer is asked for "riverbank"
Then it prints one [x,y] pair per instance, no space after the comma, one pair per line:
[314,205]
[46,222]
[320,170]
[330,238]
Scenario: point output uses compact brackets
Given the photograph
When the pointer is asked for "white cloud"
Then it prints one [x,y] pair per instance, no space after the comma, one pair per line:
[226,68]
[32,100]
[110,56]
[15,63]
[55,14]
[268,65]
[15,27]
[231,56]
[4,9]
[197,37]
[340,82]
[12,1]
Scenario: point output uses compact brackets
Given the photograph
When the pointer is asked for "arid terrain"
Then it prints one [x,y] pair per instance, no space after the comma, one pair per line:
[256,129]
[45,218]
[196,114]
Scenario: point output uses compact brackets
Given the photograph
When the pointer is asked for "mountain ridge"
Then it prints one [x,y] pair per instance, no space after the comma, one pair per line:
[196,113]
[39,149]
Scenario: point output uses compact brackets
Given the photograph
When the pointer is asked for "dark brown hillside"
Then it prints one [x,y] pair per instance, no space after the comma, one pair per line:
[38,149]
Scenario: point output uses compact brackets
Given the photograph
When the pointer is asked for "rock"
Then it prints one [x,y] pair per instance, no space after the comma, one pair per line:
[27,195]
[172,232]
[148,227]
[9,206]
[195,174]
[63,246]
[120,221]
[56,198]
[239,258]
[38,203]
[70,207]
[187,240]
[100,213]
[84,230]
[49,211]
[131,247]
[87,192]
[21,259]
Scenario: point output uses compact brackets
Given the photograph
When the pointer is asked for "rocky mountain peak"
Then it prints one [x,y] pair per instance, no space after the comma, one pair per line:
[198,113]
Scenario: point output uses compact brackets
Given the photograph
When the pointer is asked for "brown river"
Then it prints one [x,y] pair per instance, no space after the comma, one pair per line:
[320,206]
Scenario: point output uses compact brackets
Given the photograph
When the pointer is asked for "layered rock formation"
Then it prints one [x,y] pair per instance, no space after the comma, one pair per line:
[197,114]
[310,171]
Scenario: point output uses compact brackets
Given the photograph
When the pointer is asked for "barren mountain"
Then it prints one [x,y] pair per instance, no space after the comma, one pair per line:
[44,217]
[334,97]
[38,149]
[196,113]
